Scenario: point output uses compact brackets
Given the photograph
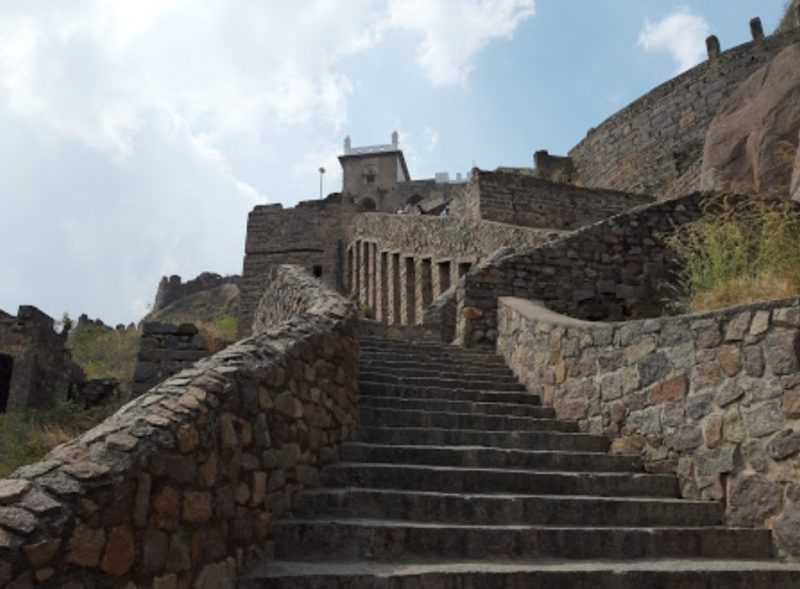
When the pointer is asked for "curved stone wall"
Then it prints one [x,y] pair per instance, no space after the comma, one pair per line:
[615,269]
[178,488]
[713,398]
[655,145]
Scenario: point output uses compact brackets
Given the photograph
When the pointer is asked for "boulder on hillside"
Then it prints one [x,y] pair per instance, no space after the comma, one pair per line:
[751,143]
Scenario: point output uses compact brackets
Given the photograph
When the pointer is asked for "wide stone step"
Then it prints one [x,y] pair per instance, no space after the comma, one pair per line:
[399,344]
[441,358]
[525,574]
[450,373]
[498,508]
[463,384]
[392,362]
[481,457]
[383,417]
[452,479]
[489,394]
[518,409]
[567,442]
[309,539]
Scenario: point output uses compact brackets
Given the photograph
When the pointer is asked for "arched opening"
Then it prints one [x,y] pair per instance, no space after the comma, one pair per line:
[367,204]
[6,369]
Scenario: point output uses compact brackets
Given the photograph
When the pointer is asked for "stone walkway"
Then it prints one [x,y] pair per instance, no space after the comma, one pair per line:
[462,480]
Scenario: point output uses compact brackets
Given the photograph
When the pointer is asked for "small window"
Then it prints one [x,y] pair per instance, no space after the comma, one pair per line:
[317,271]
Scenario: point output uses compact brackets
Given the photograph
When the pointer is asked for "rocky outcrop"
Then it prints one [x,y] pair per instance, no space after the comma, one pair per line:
[791,19]
[796,175]
[751,143]
[173,288]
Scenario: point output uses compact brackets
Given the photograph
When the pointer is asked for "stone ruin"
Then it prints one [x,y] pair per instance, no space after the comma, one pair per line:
[36,369]
[548,409]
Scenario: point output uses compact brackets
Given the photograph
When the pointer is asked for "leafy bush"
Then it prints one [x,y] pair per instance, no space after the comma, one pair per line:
[27,437]
[739,251]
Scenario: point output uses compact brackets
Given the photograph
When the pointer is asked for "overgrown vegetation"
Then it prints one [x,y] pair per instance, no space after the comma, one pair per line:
[219,333]
[739,251]
[104,352]
[27,437]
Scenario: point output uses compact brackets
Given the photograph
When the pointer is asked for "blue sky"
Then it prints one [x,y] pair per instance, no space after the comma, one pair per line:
[135,135]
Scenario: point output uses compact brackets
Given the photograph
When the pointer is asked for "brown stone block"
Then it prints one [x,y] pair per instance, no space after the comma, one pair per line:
[120,552]
[42,552]
[627,445]
[197,507]
[791,402]
[166,509]
[86,546]
[669,390]
[730,359]
[713,431]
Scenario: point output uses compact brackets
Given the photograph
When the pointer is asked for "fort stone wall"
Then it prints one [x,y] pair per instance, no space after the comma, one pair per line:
[36,369]
[165,349]
[655,145]
[713,398]
[179,487]
[520,198]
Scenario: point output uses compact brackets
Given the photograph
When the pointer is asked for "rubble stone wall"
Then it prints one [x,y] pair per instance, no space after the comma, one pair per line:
[165,349]
[655,145]
[713,398]
[179,487]
[613,270]
[517,198]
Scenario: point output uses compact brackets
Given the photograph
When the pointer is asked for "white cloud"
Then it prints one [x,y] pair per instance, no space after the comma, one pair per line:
[131,128]
[453,33]
[681,34]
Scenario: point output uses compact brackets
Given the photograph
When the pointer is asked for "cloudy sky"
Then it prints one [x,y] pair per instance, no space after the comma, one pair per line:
[135,135]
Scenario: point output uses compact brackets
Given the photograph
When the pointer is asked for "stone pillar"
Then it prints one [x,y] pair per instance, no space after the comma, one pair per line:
[365,277]
[373,268]
[357,272]
[382,307]
[394,298]
[713,47]
[408,310]
[424,286]
[756,29]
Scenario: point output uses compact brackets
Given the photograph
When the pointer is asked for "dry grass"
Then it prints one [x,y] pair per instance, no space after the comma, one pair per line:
[27,437]
[740,251]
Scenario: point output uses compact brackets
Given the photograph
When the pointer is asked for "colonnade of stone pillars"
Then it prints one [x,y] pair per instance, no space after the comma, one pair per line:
[396,287]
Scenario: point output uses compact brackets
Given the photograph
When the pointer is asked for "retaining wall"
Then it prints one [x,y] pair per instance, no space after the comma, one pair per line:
[655,145]
[179,487]
[615,269]
[713,398]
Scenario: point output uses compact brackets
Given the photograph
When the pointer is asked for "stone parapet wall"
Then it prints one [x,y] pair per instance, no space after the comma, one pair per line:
[521,198]
[655,145]
[713,398]
[398,265]
[179,487]
[173,288]
[615,269]
[165,349]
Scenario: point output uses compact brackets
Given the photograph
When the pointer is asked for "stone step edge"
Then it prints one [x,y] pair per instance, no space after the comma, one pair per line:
[366,399]
[472,447]
[340,568]
[516,497]
[423,412]
[488,432]
[482,469]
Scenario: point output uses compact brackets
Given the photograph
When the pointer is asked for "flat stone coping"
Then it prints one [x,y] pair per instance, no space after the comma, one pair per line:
[538,312]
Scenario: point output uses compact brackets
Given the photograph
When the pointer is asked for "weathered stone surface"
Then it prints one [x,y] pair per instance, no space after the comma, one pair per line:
[166,508]
[784,444]
[17,520]
[763,419]
[155,544]
[221,575]
[730,359]
[85,546]
[728,393]
[713,431]
[787,529]
[753,361]
[780,349]
[41,553]
[716,460]
[197,507]
[687,437]
[120,552]
[669,390]
[752,500]
[12,489]
[791,402]
[745,146]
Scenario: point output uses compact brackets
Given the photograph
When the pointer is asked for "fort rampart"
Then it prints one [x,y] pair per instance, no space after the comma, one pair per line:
[178,488]
[655,145]
[523,199]
[714,398]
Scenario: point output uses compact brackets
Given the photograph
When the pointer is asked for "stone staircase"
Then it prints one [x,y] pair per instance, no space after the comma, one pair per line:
[462,480]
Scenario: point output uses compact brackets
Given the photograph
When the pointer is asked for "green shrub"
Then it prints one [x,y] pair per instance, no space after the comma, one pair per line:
[104,352]
[739,251]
